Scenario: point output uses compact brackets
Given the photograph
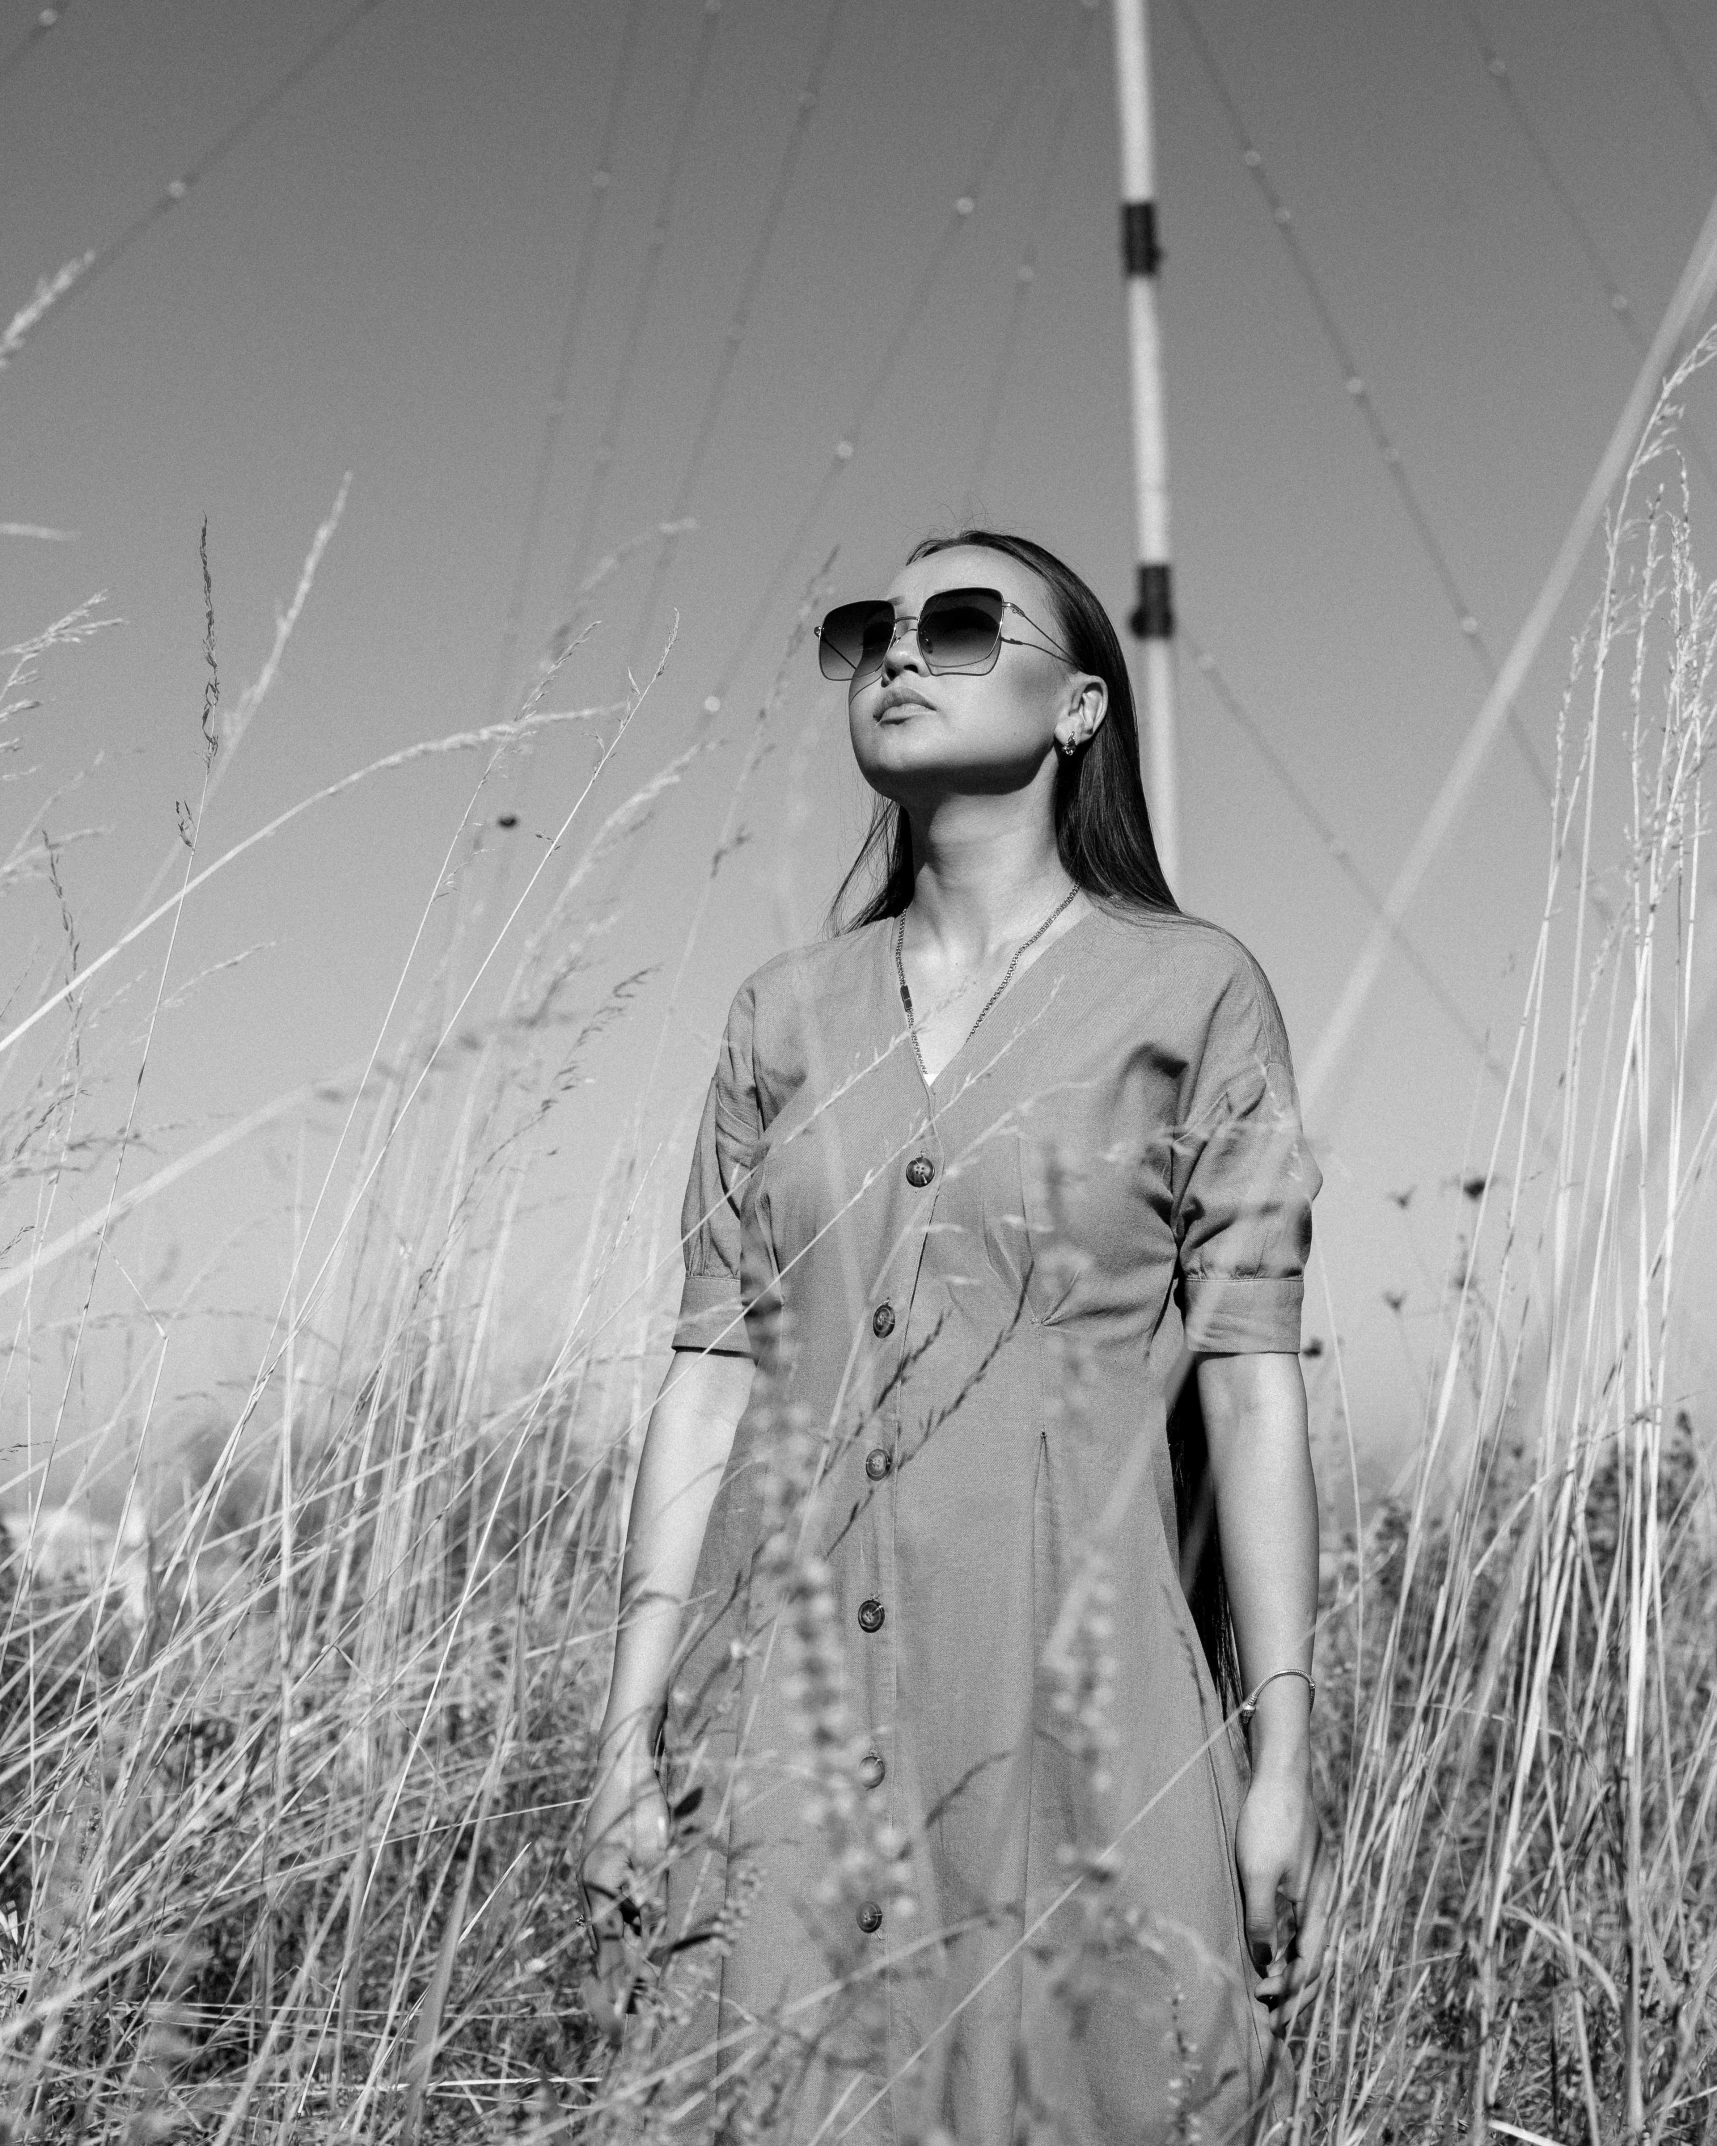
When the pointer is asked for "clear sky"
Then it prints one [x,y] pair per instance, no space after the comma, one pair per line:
[376,277]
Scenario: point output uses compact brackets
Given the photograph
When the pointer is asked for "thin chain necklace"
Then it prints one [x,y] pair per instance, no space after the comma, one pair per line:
[1020,951]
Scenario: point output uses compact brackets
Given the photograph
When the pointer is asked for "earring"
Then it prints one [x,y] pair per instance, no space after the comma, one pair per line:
[1066,747]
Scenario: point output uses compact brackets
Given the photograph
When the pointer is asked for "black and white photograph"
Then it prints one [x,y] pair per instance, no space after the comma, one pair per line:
[858,1072]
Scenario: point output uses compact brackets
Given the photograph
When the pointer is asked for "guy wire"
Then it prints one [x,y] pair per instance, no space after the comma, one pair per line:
[47,20]
[1025,276]
[738,323]
[601,185]
[1621,306]
[1359,393]
[655,249]
[1339,853]
[846,445]
[1683,74]
[177,190]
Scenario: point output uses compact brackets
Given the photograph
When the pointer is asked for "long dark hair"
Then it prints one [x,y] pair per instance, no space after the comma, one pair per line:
[1102,823]
[1103,835]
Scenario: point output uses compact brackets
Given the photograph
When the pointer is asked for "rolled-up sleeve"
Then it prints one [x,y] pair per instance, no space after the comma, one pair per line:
[1243,1217]
[712,1312]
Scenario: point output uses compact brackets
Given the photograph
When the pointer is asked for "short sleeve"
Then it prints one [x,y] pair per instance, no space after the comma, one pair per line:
[1243,1217]
[712,1312]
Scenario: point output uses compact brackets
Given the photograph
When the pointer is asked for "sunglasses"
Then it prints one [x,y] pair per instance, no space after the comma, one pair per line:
[957,630]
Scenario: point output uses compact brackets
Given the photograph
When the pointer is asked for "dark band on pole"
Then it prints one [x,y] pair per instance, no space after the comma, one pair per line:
[1140,249]
[1153,618]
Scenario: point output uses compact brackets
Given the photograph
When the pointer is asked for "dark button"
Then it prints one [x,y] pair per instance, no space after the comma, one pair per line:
[869,1918]
[920,1170]
[882,1320]
[877,1463]
[871,1614]
[872,1769]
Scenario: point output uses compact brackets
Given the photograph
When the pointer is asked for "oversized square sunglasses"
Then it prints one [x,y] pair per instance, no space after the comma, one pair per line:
[957,630]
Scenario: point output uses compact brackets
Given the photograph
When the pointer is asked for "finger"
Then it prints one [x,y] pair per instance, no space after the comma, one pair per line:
[1285,1990]
[1295,1977]
[1297,1985]
[1258,1889]
[1313,1915]
[620,1924]
[1272,1981]
[605,1905]
[601,2008]
[618,1974]
[1280,1974]
[1300,1993]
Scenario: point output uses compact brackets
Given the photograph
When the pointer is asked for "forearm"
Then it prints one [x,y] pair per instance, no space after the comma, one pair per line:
[1267,1516]
[686,1445]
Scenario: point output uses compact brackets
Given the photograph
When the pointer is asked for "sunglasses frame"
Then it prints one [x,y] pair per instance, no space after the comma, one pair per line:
[857,674]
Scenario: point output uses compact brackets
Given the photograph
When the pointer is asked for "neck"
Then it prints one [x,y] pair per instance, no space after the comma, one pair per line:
[982,876]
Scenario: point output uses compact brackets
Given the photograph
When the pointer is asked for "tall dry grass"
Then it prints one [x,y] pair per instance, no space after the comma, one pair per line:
[290,1855]
[1522,1740]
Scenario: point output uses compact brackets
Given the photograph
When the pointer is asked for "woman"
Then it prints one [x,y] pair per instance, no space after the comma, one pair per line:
[964,1841]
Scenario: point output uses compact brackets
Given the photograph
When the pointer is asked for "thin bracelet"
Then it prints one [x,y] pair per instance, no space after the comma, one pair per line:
[1248,1707]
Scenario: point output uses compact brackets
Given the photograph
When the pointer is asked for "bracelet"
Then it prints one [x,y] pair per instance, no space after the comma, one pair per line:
[1248,1707]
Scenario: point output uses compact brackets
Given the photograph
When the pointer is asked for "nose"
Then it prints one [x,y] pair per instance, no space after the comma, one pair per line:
[903,650]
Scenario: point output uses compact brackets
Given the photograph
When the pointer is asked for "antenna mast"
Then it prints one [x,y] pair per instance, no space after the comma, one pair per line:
[1152,619]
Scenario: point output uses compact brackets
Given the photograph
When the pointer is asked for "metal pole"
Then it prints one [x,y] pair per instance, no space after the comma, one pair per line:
[1152,619]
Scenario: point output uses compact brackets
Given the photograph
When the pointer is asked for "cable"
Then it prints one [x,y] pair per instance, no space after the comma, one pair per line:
[601,185]
[1359,393]
[1026,273]
[737,324]
[1621,307]
[846,445]
[605,448]
[178,190]
[1684,76]
[1338,851]
[1692,297]
[48,19]
[1497,68]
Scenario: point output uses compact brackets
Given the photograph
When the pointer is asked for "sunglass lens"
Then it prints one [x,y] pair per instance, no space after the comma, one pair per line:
[958,628]
[853,639]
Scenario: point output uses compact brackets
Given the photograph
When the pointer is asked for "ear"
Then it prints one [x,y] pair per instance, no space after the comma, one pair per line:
[1082,718]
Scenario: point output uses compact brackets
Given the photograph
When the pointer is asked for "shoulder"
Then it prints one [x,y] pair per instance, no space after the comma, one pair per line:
[824,991]
[807,975]
[1199,972]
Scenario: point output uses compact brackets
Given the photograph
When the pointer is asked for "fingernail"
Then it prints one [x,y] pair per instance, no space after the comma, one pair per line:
[601,2009]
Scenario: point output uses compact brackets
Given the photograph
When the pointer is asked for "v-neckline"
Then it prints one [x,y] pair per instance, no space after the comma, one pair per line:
[931,1083]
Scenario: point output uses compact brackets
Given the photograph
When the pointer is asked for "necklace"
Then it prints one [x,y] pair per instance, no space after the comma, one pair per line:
[1007,978]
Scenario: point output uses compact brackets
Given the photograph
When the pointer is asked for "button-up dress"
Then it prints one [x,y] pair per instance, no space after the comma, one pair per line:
[956,1794]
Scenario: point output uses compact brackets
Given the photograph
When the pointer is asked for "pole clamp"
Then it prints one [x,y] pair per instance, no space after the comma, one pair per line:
[1140,251]
[1153,617]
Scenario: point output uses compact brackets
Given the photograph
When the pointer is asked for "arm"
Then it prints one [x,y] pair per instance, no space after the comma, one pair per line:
[1267,1516]
[686,1445]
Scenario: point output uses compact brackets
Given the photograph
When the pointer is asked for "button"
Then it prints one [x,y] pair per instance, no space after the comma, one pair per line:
[871,1614]
[882,1321]
[869,1918]
[919,1171]
[872,1769]
[877,1462]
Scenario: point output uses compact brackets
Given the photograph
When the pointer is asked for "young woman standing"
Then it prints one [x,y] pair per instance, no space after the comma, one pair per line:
[977,1847]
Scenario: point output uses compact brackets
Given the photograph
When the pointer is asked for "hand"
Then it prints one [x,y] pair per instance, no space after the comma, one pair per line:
[621,1874]
[1286,1879]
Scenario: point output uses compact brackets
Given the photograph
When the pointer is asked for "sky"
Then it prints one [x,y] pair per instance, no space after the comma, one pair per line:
[788,243]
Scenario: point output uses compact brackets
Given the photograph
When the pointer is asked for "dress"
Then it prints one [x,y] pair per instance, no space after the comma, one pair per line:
[957,1795]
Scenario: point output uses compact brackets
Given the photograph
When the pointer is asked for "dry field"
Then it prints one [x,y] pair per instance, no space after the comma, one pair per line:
[292,1769]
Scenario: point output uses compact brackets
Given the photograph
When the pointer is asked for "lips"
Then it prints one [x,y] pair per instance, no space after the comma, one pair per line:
[894,699]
